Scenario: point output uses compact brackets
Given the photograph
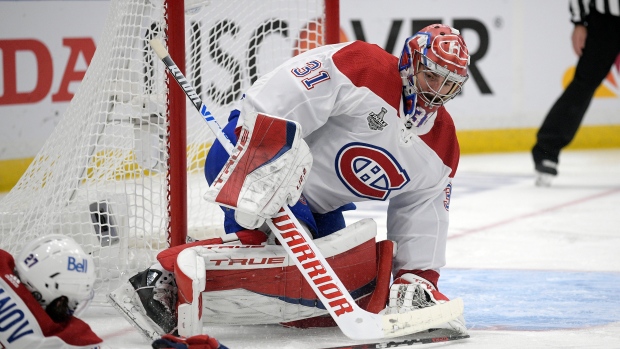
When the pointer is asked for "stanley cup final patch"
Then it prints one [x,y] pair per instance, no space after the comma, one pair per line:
[375,121]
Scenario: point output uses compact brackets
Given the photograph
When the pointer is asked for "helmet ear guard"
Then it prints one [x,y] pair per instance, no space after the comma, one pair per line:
[53,266]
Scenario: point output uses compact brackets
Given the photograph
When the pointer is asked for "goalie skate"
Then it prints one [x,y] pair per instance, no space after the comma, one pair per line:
[146,301]
[123,300]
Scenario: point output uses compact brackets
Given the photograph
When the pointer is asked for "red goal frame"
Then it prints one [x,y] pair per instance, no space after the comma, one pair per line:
[177,141]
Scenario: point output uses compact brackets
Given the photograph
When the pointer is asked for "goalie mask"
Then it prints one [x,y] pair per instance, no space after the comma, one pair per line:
[433,69]
[53,266]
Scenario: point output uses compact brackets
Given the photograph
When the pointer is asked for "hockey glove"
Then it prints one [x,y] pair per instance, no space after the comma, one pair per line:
[202,341]
[267,170]
[411,290]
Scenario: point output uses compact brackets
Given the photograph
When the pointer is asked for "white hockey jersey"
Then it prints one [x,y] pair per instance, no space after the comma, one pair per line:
[347,98]
[25,324]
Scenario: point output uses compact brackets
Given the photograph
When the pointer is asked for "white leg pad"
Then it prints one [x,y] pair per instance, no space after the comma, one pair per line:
[191,277]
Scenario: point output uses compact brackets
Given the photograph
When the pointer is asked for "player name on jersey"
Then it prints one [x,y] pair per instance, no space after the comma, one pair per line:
[13,322]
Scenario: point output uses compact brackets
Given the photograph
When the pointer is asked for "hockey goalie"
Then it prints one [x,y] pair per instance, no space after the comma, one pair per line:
[336,125]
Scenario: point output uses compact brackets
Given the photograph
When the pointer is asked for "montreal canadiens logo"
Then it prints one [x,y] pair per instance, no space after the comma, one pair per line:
[369,171]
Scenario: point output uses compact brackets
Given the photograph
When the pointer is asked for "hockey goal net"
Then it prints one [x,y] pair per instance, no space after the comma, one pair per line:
[109,174]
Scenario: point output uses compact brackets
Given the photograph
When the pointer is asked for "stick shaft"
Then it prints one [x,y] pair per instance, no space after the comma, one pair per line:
[191,94]
[325,282]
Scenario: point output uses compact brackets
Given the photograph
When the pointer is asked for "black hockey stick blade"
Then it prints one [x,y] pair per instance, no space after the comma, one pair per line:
[404,342]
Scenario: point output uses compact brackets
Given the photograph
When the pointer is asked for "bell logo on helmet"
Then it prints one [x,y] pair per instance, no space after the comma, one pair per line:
[79,267]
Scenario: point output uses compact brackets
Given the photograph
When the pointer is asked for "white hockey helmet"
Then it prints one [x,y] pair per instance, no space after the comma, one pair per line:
[55,265]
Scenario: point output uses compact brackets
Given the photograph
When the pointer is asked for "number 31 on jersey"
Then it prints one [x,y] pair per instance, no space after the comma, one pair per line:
[310,81]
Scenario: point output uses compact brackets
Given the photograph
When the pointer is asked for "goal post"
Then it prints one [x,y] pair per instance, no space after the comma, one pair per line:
[177,232]
[122,173]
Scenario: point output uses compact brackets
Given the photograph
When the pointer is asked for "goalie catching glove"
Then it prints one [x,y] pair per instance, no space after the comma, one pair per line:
[202,341]
[412,290]
[266,170]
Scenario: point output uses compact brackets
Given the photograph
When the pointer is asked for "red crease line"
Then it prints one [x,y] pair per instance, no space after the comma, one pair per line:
[532,214]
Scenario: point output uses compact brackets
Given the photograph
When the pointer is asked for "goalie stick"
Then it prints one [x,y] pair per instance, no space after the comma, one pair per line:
[352,320]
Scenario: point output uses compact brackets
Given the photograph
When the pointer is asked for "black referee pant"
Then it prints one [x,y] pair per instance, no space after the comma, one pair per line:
[601,49]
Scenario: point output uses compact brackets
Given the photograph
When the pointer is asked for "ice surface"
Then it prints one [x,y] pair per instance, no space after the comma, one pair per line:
[536,267]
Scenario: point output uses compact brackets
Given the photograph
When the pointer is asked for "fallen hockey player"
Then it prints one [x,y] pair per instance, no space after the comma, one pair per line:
[350,128]
[42,291]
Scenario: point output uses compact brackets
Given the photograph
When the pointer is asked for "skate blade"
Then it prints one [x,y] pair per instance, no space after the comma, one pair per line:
[122,299]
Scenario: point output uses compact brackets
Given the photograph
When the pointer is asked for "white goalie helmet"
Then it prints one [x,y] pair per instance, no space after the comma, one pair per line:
[55,265]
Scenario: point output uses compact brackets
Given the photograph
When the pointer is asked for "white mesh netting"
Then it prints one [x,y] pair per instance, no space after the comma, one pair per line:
[101,177]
